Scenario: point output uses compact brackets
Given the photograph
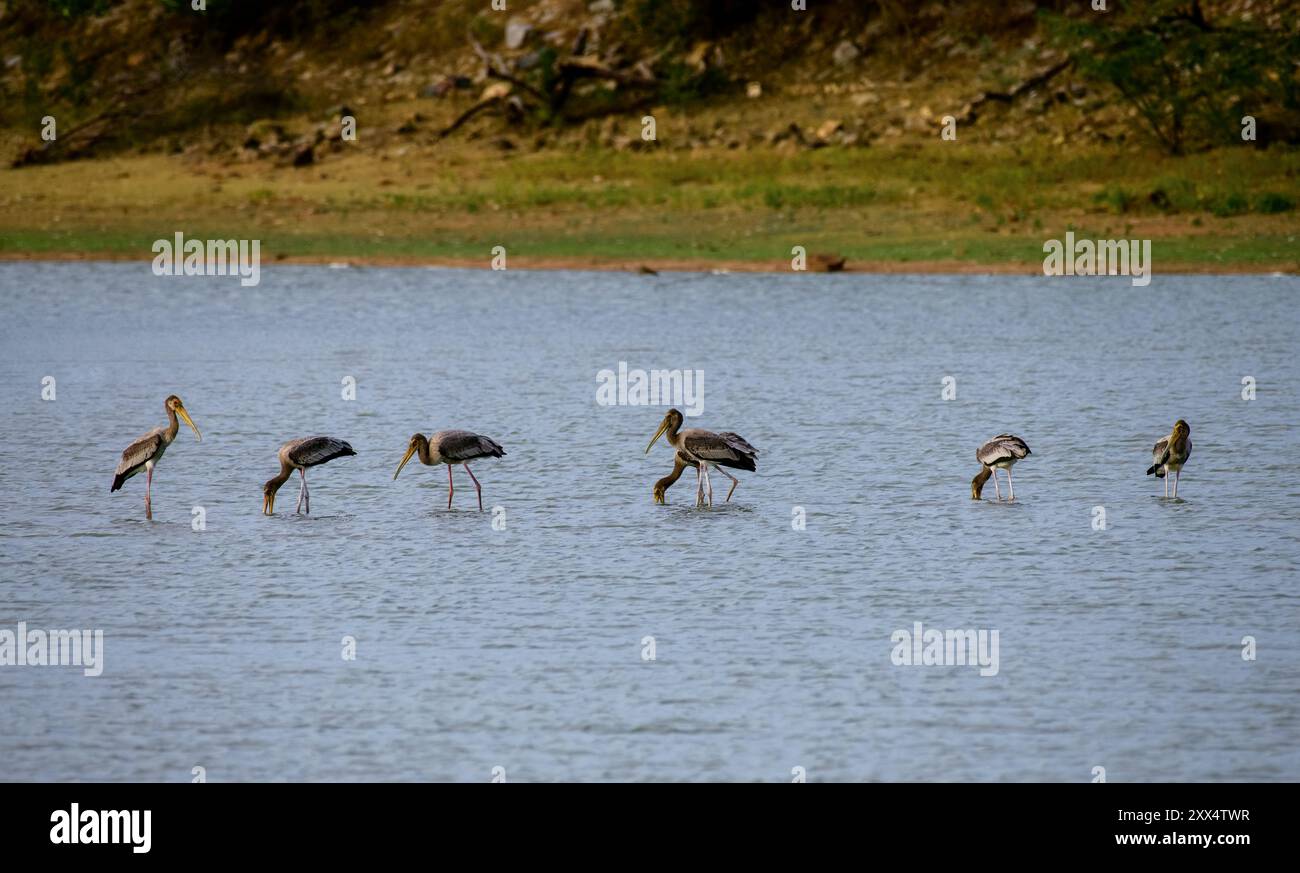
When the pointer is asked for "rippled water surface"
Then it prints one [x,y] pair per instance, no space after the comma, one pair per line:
[523,648]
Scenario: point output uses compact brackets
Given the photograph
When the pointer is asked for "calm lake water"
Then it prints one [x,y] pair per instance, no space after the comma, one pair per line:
[522,648]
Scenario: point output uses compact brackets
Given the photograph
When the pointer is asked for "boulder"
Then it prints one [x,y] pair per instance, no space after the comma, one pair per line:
[517,33]
[824,262]
[829,129]
[845,53]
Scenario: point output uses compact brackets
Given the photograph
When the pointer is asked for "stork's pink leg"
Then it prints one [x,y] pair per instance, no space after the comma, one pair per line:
[1177,476]
[148,484]
[1011,488]
[477,487]
[302,490]
[996,489]
[734,482]
[1166,478]
[451,489]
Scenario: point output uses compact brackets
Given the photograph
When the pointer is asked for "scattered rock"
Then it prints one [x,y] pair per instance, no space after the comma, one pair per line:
[829,129]
[264,132]
[647,271]
[439,87]
[845,53]
[600,6]
[791,132]
[698,58]
[304,156]
[517,33]
[754,90]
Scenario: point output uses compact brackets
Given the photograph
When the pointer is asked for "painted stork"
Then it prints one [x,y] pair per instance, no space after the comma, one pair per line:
[145,452]
[299,455]
[452,447]
[1170,453]
[704,449]
[1001,452]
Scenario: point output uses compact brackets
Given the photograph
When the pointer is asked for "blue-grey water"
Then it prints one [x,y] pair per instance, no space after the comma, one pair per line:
[525,648]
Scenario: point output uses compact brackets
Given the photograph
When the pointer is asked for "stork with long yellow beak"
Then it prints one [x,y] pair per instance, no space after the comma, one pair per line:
[148,450]
[1170,453]
[452,447]
[704,449]
[299,455]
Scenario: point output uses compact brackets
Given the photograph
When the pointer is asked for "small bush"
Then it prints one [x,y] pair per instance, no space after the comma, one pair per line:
[1271,203]
[1233,204]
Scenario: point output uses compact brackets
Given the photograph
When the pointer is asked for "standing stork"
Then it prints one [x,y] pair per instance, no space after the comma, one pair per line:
[999,453]
[1170,453]
[704,449]
[299,455]
[148,450]
[452,447]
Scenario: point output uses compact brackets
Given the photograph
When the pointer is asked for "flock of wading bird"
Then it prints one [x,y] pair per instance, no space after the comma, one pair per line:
[694,447]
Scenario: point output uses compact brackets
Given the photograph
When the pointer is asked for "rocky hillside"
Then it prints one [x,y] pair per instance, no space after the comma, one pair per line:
[248,80]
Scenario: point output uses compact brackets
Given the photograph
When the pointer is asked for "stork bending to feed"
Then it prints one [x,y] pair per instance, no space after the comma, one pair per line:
[703,449]
[148,450]
[452,447]
[999,453]
[299,455]
[1170,453]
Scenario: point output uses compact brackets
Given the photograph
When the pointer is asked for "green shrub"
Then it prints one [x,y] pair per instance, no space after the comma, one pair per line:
[1271,203]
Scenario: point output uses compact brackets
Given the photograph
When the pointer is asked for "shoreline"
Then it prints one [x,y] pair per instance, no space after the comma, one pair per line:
[664,265]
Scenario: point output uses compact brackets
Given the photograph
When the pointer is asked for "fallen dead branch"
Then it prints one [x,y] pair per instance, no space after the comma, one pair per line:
[971,112]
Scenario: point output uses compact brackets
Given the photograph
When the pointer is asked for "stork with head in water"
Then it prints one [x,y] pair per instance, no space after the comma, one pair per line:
[703,449]
[999,453]
[299,455]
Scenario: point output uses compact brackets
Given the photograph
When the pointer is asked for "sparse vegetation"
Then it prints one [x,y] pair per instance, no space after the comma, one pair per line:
[773,128]
[1191,75]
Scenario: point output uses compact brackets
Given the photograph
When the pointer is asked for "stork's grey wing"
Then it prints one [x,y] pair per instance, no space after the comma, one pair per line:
[310,451]
[139,452]
[462,445]
[1014,444]
[1160,453]
[711,446]
[995,450]
[738,442]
